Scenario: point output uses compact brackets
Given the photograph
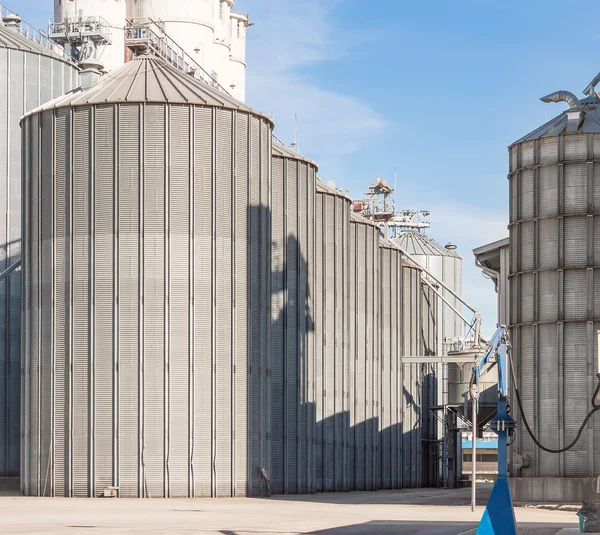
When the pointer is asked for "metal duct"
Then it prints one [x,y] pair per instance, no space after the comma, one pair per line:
[563,96]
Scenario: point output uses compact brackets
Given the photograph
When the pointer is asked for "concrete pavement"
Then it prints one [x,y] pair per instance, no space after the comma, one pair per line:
[406,512]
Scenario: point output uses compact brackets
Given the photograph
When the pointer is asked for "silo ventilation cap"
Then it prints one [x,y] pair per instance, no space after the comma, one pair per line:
[575,112]
[451,247]
[12,20]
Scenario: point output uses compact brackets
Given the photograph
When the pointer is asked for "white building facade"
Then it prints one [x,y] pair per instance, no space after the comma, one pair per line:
[208,31]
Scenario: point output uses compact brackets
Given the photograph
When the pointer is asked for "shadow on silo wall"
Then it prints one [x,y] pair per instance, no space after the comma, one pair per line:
[10,366]
[315,453]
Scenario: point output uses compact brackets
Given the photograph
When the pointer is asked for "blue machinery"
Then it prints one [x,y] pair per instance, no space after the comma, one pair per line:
[499,515]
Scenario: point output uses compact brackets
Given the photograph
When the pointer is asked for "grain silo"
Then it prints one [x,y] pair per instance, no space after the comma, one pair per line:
[364,363]
[555,298]
[391,324]
[445,264]
[147,280]
[32,73]
[292,328]
[332,351]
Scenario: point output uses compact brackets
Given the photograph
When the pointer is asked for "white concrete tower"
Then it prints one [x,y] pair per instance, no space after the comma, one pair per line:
[236,83]
[190,23]
[222,41]
[112,11]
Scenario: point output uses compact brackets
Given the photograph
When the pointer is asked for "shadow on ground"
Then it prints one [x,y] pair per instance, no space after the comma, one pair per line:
[395,527]
[439,497]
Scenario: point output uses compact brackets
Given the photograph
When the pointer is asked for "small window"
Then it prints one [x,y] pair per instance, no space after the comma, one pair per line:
[239,29]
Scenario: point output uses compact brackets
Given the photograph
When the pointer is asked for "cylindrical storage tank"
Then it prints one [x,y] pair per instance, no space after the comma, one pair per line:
[554,228]
[221,49]
[147,289]
[445,264]
[114,12]
[190,23]
[364,362]
[332,318]
[236,85]
[390,275]
[432,375]
[412,378]
[31,75]
[293,317]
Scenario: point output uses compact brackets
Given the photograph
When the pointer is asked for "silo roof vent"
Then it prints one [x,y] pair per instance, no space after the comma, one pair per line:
[12,21]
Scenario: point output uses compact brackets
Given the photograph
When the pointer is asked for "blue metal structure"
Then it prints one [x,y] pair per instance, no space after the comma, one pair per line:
[499,515]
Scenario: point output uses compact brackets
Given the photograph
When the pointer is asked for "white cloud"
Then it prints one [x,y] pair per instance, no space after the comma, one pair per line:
[288,38]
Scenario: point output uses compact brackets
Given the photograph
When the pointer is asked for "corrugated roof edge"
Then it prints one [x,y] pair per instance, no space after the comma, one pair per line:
[279,151]
[223,100]
[324,188]
[356,218]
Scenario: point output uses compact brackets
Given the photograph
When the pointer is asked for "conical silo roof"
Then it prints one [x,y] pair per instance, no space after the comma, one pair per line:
[415,243]
[150,79]
[589,122]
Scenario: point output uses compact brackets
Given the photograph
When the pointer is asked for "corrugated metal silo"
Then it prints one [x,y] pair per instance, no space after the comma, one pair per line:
[555,295]
[412,402]
[31,74]
[365,353]
[292,329]
[446,265]
[147,265]
[332,351]
[391,266]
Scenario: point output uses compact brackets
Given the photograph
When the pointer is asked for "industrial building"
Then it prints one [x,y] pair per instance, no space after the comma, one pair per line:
[188,310]
[201,315]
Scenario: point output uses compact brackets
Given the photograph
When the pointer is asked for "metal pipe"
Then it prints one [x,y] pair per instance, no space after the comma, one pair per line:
[10,269]
[439,294]
[474,454]
[443,285]
[563,96]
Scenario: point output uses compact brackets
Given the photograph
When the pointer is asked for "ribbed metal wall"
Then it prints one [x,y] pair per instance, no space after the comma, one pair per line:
[365,363]
[555,295]
[390,261]
[147,300]
[292,330]
[29,76]
[332,350]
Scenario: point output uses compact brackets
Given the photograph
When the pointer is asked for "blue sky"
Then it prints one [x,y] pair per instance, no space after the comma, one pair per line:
[436,88]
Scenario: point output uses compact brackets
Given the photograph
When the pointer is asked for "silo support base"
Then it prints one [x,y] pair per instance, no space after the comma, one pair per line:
[552,489]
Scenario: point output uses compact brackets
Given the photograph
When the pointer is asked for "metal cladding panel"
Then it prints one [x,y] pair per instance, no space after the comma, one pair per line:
[411,381]
[575,242]
[331,325]
[241,321]
[556,303]
[154,354]
[526,192]
[148,207]
[46,272]
[25,79]
[203,309]
[278,310]
[353,371]
[129,169]
[178,193]
[548,191]
[292,323]
[104,275]
[388,284]
[223,292]
[81,302]
[575,188]
[320,291]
